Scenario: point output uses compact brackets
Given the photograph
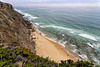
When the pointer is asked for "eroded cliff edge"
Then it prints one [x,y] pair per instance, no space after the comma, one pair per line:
[14,29]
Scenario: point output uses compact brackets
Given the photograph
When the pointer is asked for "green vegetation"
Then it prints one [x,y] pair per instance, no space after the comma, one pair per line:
[8,59]
[70,63]
[25,52]
[33,30]
[28,65]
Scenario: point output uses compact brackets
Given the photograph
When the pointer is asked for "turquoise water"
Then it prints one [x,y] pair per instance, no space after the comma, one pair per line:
[77,27]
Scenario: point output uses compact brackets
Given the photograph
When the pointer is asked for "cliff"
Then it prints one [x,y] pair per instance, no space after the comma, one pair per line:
[14,29]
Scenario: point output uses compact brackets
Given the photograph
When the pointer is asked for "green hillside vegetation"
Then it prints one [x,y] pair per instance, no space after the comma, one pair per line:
[10,57]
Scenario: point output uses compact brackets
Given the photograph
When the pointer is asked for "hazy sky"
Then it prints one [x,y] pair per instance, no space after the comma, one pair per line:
[53,2]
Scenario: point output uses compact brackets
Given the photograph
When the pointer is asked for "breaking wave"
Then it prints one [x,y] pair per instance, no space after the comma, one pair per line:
[26,15]
[73,31]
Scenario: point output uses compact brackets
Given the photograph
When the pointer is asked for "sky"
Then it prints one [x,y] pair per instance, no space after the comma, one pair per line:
[26,3]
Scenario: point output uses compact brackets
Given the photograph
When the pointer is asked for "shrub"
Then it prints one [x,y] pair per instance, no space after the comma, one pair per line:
[33,30]
[28,65]
[70,61]
[25,52]
[7,60]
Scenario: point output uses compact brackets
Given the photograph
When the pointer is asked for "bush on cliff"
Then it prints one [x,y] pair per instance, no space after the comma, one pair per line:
[9,57]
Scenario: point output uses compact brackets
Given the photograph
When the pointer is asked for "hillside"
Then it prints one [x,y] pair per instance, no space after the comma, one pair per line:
[14,29]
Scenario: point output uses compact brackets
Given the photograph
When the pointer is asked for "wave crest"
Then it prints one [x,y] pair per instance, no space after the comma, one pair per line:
[26,15]
[88,36]
[73,31]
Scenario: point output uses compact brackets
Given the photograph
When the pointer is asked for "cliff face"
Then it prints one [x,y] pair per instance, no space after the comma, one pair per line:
[5,6]
[14,29]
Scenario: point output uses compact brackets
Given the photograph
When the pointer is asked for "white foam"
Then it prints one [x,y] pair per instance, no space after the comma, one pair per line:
[90,45]
[30,17]
[58,27]
[63,35]
[71,32]
[96,60]
[75,31]
[94,45]
[41,26]
[41,33]
[88,36]
[63,43]
[84,56]
[74,50]
[53,39]
[36,24]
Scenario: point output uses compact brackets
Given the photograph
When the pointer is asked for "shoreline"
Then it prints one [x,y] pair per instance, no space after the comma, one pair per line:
[44,46]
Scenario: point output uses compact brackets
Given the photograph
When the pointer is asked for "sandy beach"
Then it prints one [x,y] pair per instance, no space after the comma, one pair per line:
[47,48]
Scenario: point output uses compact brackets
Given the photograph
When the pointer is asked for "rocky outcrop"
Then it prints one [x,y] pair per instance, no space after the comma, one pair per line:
[14,29]
[5,6]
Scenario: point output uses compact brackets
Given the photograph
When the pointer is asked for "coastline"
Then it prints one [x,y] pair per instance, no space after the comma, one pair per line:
[47,48]
[80,54]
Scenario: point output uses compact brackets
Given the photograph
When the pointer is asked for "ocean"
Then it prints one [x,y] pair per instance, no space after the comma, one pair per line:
[77,29]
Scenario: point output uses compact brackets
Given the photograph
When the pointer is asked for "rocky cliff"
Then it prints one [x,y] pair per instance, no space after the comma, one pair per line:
[14,29]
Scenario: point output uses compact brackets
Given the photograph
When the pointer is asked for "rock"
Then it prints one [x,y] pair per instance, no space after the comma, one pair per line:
[5,6]
[20,64]
[14,28]
[20,58]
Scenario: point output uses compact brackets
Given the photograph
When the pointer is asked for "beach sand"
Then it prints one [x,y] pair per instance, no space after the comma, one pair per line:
[47,48]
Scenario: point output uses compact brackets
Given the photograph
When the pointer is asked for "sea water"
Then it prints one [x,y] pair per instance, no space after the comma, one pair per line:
[75,27]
